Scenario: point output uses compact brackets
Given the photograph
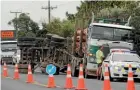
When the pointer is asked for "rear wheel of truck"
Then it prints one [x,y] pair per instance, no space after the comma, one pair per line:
[42,72]
[75,73]
[57,71]
[86,75]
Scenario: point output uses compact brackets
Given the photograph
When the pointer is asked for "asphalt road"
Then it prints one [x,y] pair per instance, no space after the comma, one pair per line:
[41,81]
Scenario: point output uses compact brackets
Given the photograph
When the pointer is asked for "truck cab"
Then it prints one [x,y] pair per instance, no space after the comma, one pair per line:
[99,34]
[8,48]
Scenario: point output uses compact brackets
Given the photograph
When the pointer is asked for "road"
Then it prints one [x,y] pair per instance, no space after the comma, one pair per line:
[41,81]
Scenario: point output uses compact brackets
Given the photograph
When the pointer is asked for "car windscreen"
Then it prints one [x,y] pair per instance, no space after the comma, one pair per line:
[126,57]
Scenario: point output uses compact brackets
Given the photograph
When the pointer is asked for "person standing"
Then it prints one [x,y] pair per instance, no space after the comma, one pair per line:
[99,58]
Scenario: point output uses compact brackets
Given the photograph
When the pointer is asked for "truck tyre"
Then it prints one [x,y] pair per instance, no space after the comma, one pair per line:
[86,75]
[57,38]
[47,41]
[75,73]
[42,72]
[57,44]
[26,39]
[57,71]
[49,36]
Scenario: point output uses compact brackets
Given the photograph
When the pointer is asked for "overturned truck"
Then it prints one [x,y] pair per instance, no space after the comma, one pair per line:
[39,52]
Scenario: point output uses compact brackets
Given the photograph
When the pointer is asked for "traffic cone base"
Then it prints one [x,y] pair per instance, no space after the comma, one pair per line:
[30,79]
[106,84]
[81,84]
[5,72]
[69,83]
[30,76]
[81,81]
[130,81]
[51,82]
[16,73]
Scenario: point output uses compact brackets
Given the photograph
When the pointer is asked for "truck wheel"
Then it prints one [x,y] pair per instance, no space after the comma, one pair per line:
[75,73]
[57,44]
[49,36]
[57,71]
[86,75]
[42,72]
[57,38]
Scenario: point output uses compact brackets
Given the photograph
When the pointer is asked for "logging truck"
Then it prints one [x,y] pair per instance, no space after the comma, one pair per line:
[87,42]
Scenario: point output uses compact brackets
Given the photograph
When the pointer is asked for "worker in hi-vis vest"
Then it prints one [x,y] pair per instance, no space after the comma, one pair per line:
[99,58]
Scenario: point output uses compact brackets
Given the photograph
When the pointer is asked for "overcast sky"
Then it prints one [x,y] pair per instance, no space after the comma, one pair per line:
[34,8]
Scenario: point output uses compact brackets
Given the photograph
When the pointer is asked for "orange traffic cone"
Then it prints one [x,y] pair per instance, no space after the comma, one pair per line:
[29,76]
[68,84]
[51,82]
[5,71]
[130,82]
[81,81]
[16,74]
[107,85]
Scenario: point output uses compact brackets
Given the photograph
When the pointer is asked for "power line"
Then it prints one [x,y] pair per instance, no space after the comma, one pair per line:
[16,20]
[49,9]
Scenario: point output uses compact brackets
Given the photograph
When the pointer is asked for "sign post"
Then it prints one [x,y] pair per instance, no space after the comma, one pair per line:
[51,69]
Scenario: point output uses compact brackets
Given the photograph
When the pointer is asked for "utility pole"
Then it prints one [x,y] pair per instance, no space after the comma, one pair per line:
[16,21]
[49,10]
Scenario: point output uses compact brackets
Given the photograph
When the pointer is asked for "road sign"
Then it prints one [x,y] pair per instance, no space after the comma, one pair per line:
[51,69]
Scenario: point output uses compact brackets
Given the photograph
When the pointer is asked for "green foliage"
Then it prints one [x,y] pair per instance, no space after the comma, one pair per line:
[21,33]
[63,28]
[135,20]
[43,32]
[67,28]
[103,9]
[24,24]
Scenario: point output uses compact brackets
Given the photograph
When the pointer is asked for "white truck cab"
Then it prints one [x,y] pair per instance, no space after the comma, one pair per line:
[8,49]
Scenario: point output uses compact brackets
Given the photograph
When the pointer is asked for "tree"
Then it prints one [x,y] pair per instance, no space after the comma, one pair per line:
[24,24]
[54,26]
[67,28]
[118,8]
[63,28]
[135,20]
[43,31]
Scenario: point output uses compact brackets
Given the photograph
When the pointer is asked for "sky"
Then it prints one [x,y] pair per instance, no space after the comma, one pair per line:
[35,11]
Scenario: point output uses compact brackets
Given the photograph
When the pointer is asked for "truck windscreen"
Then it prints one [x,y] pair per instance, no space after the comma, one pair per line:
[109,33]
